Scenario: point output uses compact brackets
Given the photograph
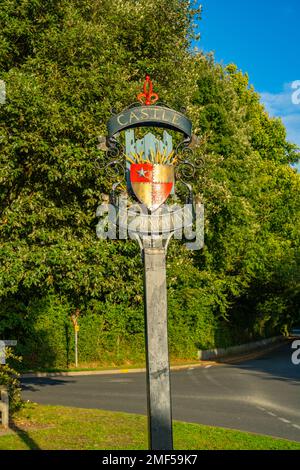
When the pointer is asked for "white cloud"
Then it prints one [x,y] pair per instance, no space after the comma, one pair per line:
[283,105]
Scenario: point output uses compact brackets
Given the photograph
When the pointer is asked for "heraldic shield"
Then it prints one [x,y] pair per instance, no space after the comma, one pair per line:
[152,183]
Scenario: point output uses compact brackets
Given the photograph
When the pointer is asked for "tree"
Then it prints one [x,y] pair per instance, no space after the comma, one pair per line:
[66,64]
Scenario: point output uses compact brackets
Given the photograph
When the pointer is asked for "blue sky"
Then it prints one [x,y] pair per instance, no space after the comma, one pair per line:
[263,38]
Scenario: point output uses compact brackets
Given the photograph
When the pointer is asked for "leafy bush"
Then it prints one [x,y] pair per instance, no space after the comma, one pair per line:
[10,378]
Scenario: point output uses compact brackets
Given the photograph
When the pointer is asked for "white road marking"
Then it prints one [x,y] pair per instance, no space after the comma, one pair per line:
[284,410]
[208,367]
[284,420]
[261,409]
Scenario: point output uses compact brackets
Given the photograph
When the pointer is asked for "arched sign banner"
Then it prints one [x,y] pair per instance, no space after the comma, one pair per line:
[149,116]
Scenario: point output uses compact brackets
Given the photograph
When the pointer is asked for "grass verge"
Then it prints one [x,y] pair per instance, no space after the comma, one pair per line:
[61,428]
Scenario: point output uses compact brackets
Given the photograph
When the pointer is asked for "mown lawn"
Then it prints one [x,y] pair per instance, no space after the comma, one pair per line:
[62,428]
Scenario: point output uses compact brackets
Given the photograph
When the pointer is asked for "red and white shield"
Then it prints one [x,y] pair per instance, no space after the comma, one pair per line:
[152,183]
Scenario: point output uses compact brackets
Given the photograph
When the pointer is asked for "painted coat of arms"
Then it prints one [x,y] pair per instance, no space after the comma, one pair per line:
[152,183]
[150,160]
[152,180]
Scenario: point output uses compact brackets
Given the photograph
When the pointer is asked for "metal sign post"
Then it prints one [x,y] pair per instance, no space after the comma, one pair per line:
[157,353]
[150,167]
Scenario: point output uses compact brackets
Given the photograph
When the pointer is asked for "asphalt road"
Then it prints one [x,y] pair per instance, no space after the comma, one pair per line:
[260,395]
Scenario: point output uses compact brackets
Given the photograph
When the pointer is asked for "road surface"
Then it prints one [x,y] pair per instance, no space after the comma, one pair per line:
[260,395]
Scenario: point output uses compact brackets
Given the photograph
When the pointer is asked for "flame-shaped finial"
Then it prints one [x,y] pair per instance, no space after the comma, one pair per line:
[148,97]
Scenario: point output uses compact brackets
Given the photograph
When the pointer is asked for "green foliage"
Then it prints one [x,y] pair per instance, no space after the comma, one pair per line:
[252,204]
[108,333]
[9,377]
[66,64]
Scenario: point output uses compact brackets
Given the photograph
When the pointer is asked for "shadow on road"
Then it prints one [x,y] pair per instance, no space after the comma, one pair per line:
[34,385]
